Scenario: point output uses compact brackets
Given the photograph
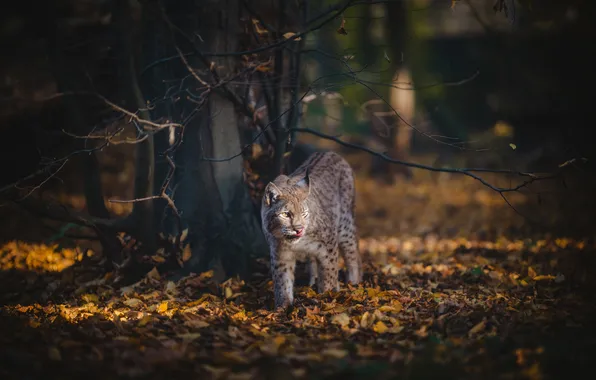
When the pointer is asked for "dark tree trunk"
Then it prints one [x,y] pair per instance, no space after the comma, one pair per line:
[210,196]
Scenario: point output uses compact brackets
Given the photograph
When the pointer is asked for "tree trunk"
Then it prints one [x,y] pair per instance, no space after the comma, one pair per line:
[210,196]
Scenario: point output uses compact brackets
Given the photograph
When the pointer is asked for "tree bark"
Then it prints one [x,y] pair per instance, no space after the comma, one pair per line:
[210,196]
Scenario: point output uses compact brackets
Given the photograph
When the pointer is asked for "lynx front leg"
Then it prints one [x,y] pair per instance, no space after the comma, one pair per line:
[327,277]
[313,271]
[283,281]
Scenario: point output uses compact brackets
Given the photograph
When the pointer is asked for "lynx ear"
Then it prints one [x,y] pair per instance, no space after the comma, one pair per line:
[272,194]
[305,181]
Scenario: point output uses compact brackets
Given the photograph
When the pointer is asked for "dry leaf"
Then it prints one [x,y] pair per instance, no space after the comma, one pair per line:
[380,327]
[163,307]
[335,353]
[90,298]
[290,34]
[342,28]
[341,319]
[477,328]
[154,274]
[133,302]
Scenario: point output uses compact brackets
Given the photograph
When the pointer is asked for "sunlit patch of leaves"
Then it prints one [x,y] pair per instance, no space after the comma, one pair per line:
[444,288]
[452,295]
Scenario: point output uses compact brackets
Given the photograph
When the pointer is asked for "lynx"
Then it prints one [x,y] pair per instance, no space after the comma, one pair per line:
[309,216]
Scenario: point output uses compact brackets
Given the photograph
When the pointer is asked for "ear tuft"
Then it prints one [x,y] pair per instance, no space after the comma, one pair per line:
[272,194]
[305,181]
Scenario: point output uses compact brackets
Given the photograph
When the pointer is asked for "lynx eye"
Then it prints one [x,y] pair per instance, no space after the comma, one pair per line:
[285,214]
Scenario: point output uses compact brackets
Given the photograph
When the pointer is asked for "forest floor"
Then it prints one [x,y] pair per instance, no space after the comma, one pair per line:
[457,285]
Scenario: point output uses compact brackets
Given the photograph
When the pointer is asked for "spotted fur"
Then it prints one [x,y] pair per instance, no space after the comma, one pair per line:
[309,216]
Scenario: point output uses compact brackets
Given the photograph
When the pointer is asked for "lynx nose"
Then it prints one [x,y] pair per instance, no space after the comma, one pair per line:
[299,230]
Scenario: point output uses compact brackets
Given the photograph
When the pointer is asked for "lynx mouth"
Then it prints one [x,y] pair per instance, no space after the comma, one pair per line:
[293,238]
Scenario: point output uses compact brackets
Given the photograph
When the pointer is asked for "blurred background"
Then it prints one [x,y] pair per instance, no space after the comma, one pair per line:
[477,84]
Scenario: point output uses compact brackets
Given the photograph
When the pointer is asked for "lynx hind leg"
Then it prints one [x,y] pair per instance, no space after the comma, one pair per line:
[348,244]
[313,271]
[348,237]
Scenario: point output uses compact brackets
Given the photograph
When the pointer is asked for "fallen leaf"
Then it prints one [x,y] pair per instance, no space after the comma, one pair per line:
[186,253]
[171,288]
[380,327]
[158,259]
[341,319]
[163,307]
[90,298]
[544,277]
[133,302]
[144,321]
[477,328]
[154,274]
[335,353]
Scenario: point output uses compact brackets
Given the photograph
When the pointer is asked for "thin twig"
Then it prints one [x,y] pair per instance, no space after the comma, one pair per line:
[468,172]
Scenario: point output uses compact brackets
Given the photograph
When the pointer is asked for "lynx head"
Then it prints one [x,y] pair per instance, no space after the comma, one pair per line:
[284,211]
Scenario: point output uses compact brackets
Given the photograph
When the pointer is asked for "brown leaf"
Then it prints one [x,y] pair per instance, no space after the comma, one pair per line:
[335,353]
[342,29]
[186,253]
[154,274]
[341,319]
[291,34]
[477,328]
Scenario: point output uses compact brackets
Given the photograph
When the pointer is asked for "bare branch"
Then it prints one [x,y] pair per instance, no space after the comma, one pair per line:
[465,171]
[336,12]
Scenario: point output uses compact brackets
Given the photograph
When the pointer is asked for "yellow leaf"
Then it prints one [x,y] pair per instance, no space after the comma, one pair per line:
[34,324]
[513,146]
[90,298]
[163,307]
[228,292]
[171,287]
[544,277]
[387,308]
[206,275]
[133,302]
[290,35]
[235,357]
[144,321]
[158,259]
[366,320]
[154,274]
[380,327]
[335,353]
[257,150]
[341,319]
[531,272]
[186,253]
[478,328]
[264,68]
[258,29]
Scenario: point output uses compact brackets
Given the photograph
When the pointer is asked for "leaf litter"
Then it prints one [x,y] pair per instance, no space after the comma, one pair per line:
[460,304]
